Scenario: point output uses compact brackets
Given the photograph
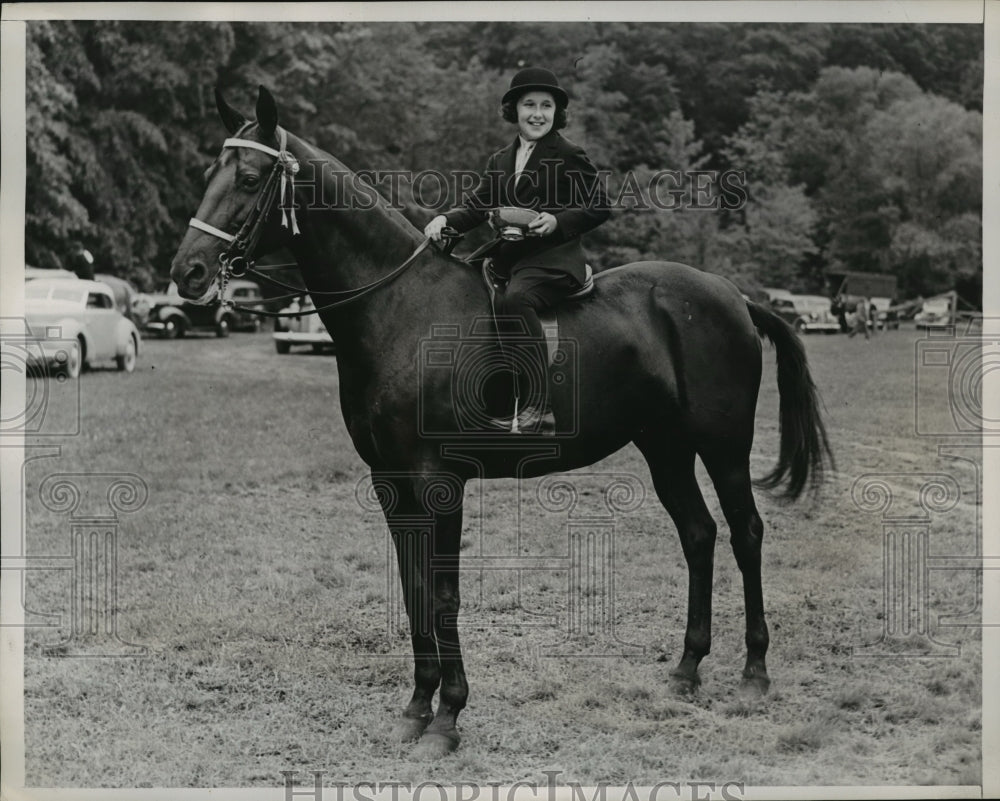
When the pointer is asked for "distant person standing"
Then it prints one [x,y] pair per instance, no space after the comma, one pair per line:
[81,261]
[839,309]
[861,319]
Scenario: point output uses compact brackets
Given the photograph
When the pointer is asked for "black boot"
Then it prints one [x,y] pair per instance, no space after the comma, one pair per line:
[537,420]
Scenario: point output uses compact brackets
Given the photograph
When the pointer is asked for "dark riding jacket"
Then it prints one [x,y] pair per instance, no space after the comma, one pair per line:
[559,179]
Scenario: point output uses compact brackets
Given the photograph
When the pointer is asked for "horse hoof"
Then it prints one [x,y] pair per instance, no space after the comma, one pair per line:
[684,683]
[755,684]
[407,730]
[434,746]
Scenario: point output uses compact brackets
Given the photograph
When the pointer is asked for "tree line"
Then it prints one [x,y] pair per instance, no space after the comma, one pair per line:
[857,147]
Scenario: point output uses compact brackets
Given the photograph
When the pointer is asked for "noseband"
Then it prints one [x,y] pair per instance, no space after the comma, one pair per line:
[238,257]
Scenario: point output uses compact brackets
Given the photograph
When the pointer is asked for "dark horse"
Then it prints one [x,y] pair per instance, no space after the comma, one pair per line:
[668,358]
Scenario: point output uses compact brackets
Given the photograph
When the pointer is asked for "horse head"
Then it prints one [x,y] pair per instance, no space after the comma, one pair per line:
[239,213]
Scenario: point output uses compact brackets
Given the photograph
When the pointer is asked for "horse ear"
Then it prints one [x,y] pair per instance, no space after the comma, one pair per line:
[267,112]
[231,118]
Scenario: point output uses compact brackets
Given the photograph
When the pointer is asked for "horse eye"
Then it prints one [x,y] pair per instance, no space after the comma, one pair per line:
[250,181]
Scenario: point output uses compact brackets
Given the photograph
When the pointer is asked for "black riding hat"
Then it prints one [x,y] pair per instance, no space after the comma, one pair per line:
[535,79]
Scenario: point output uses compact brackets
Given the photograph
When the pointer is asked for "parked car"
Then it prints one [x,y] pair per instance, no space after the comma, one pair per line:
[31,273]
[935,312]
[75,324]
[129,301]
[777,294]
[305,330]
[806,313]
[172,316]
[885,315]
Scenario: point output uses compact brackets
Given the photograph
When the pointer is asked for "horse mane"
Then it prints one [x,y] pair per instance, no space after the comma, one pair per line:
[392,213]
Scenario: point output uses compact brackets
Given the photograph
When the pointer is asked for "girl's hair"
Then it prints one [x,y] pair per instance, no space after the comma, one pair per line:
[508,111]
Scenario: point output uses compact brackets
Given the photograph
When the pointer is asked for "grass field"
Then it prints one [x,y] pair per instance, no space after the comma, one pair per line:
[262,592]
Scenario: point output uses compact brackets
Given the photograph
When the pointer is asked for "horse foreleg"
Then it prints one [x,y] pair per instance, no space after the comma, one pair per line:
[672,470]
[413,549]
[441,736]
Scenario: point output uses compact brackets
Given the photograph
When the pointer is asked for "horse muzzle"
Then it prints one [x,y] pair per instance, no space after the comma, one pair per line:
[194,281]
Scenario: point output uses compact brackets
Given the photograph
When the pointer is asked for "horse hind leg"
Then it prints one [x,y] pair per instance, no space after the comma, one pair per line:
[672,469]
[731,478]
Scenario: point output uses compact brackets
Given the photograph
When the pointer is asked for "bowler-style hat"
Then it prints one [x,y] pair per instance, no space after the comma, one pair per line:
[535,79]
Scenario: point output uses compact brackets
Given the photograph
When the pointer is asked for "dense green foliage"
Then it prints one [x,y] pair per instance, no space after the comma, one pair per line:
[861,145]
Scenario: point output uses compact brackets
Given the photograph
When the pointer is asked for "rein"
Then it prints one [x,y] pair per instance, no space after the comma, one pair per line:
[237,259]
[353,294]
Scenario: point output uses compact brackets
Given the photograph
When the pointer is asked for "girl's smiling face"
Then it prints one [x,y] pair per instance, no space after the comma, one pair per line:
[535,113]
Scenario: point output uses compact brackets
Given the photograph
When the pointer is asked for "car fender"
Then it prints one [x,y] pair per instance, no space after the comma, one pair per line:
[123,331]
[70,328]
[167,312]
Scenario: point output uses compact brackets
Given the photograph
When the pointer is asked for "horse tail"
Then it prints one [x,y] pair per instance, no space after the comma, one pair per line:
[804,445]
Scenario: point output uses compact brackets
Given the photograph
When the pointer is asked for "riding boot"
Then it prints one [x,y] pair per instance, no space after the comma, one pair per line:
[536,417]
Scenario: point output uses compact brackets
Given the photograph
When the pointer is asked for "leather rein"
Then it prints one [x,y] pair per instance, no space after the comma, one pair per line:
[237,260]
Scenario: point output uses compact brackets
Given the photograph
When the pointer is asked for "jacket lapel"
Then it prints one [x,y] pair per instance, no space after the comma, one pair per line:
[506,161]
[527,188]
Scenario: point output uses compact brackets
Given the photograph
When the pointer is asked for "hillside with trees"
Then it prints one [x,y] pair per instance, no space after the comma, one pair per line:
[859,146]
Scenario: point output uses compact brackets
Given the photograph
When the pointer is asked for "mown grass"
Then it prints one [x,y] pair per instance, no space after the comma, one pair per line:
[260,588]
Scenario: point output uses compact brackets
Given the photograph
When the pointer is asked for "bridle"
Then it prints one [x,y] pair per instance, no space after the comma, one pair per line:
[238,257]
[237,260]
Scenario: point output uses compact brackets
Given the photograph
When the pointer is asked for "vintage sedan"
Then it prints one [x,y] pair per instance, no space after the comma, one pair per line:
[807,313]
[171,316]
[305,330]
[74,324]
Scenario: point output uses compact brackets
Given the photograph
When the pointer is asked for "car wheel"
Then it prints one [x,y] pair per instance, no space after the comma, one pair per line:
[255,326]
[69,363]
[800,326]
[172,329]
[222,327]
[126,362]
[282,347]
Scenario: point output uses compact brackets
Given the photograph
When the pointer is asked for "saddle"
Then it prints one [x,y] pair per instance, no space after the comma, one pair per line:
[511,223]
[550,323]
